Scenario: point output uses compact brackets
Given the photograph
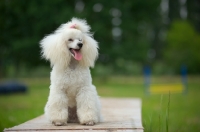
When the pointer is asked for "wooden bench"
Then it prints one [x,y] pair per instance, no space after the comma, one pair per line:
[120,114]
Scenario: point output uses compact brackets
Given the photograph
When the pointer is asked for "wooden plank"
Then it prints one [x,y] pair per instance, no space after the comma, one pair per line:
[119,115]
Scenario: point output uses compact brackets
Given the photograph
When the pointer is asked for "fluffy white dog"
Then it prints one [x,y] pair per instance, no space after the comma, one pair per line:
[71,50]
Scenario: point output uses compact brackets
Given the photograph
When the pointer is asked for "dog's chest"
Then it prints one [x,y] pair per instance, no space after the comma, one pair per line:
[75,78]
[71,78]
[74,81]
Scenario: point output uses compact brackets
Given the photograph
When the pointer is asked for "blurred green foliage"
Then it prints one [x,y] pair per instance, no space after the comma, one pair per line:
[183,46]
[131,34]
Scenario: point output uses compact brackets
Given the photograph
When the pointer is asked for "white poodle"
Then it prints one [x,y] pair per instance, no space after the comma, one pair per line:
[71,50]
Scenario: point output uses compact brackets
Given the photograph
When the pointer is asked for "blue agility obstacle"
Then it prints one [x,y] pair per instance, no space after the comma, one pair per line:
[184,78]
[150,88]
[12,87]
[147,77]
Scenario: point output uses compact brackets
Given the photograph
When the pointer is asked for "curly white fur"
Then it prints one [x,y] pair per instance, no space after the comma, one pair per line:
[71,51]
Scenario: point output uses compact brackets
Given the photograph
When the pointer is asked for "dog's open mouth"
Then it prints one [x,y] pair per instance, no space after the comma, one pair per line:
[76,53]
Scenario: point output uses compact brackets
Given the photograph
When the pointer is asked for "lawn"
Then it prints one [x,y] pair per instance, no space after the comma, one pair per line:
[183,110]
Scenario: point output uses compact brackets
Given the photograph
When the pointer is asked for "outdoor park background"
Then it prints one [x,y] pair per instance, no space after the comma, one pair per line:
[132,34]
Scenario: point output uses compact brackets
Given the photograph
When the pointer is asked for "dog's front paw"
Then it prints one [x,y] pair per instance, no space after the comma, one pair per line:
[59,123]
[89,123]
[87,118]
[55,116]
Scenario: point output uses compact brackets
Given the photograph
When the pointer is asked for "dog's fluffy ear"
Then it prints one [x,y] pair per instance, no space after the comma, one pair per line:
[89,51]
[54,49]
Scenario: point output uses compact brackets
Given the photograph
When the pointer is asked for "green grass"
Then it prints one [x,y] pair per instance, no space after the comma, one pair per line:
[180,113]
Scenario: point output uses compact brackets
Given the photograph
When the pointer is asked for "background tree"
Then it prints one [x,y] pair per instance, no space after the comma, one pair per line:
[183,46]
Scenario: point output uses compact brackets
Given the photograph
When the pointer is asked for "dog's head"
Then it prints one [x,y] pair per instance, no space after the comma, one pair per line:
[74,43]
[70,41]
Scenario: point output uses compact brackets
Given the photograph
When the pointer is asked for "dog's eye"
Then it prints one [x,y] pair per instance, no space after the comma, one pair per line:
[80,39]
[70,39]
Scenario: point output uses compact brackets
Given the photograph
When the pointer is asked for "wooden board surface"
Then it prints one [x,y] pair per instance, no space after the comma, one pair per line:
[120,114]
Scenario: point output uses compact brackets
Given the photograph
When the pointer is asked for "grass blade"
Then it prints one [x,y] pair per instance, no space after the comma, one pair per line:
[167,116]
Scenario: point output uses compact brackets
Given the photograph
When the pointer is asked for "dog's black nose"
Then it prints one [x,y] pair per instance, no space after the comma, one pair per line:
[80,45]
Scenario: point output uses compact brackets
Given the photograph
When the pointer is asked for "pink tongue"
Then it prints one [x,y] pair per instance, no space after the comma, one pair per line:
[77,55]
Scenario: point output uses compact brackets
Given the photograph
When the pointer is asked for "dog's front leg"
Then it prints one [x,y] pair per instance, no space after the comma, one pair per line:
[56,108]
[87,105]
